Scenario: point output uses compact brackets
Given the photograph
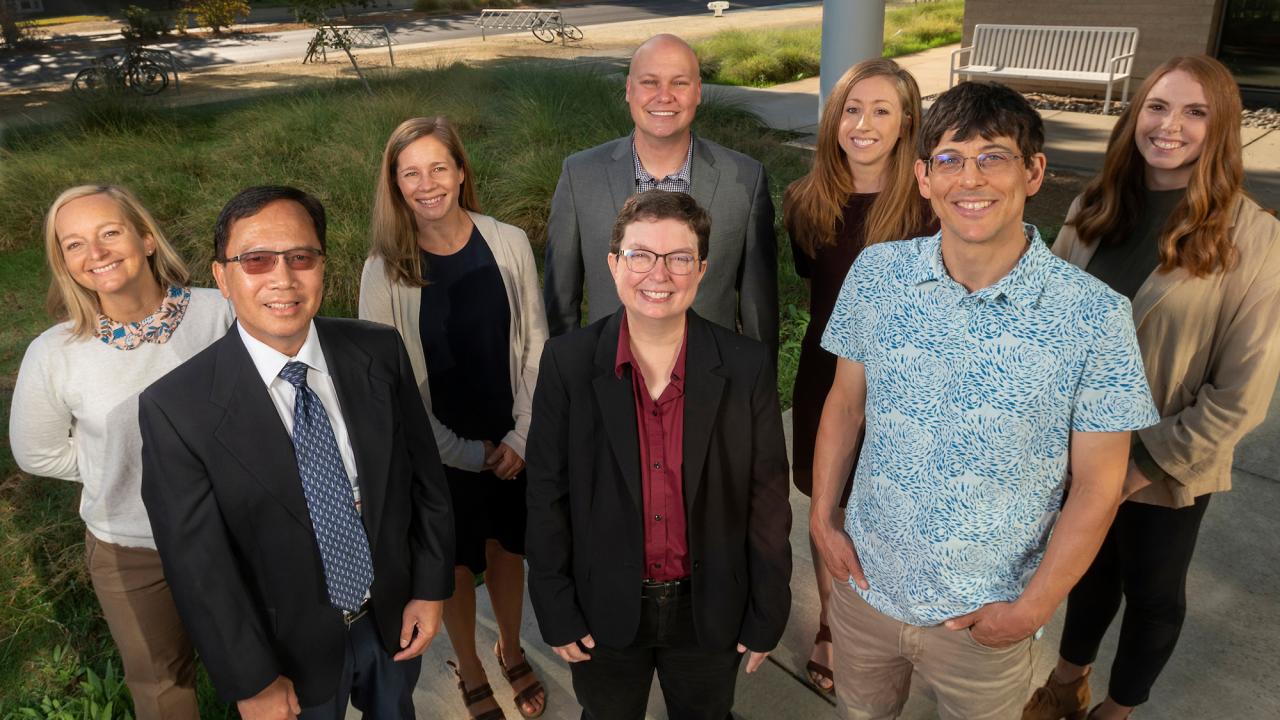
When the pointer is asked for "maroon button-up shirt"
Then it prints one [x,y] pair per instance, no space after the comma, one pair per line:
[661,428]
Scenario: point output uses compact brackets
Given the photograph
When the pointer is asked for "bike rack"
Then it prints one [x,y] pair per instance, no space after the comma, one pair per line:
[148,54]
[167,58]
[359,36]
[520,20]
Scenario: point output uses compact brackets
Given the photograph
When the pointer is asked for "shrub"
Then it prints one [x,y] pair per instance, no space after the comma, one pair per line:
[217,14]
[15,32]
[141,26]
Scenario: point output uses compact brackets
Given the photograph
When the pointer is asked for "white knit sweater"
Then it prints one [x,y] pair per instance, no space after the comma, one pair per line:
[75,413]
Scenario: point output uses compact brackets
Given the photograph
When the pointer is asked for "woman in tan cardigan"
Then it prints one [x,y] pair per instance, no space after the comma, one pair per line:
[462,289]
[1168,225]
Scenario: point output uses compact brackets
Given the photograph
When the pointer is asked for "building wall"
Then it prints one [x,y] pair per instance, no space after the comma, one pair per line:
[1166,27]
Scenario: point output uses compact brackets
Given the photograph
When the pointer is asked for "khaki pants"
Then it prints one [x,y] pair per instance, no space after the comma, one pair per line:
[159,662]
[875,655]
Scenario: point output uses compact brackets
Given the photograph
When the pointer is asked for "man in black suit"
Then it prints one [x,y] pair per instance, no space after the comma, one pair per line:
[657,485]
[294,487]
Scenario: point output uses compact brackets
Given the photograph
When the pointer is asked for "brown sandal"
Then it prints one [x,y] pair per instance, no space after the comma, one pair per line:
[517,671]
[477,695]
[815,668]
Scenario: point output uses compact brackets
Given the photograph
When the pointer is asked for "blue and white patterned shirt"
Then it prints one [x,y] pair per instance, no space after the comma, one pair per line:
[971,401]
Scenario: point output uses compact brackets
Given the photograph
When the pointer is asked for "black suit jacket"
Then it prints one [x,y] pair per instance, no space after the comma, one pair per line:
[585,541]
[221,486]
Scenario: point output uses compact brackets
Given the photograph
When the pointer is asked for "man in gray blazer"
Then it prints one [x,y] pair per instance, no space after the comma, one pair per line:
[740,290]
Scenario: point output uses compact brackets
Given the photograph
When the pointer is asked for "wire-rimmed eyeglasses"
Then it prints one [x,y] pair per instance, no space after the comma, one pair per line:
[679,262]
[988,162]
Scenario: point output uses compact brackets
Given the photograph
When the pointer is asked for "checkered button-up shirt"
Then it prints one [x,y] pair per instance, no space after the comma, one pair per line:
[677,182]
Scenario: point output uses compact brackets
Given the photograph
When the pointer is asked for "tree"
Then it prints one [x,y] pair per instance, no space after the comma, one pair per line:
[316,13]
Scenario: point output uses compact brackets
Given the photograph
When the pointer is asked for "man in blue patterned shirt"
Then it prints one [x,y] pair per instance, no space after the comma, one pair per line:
[985,372]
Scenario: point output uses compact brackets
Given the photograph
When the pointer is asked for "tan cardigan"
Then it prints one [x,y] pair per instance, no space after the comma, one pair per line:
[1211,347]
[398,305]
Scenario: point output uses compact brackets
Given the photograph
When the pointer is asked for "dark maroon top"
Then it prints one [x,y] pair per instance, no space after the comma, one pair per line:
[661,427]
[817,367]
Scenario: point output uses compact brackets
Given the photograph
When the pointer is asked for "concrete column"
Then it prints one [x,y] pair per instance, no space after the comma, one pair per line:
[852,31]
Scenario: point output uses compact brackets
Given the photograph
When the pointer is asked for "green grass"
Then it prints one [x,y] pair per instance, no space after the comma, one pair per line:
[760,58]
[65,19]
[518,120]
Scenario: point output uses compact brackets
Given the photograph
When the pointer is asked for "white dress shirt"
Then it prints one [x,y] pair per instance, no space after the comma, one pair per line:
[269,362]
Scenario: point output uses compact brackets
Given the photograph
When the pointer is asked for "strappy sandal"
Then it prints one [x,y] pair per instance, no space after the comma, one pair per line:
[473,697]
[817,669]
[517,671]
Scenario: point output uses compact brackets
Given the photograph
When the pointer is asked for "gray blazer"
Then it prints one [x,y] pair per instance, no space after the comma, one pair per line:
[740,290]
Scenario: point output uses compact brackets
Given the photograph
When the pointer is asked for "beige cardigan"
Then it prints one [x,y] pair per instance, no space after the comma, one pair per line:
[1211,347]
[398,305]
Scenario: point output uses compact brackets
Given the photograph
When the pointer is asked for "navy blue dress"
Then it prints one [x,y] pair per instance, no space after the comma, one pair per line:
[464,323]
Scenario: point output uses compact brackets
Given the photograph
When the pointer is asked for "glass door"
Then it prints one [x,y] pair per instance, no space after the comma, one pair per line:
[1249,42]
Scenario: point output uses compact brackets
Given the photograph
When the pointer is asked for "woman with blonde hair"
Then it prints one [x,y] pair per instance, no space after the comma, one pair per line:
[128,318]
[1168,225]
[861,191]
[462,289]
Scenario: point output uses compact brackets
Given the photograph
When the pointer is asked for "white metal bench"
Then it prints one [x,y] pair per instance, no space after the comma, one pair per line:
[1096,55]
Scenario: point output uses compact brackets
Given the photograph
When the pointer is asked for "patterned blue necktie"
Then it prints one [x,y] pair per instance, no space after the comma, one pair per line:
[344,548]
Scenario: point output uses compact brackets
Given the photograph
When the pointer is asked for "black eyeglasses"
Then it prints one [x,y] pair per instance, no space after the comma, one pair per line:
[257,262]
[988,162]
[679,262]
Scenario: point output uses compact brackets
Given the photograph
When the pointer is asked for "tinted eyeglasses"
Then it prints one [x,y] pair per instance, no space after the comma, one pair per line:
[988,162]
[257,262]
[642,261]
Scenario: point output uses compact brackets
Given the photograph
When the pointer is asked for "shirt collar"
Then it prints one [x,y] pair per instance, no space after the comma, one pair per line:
[625,357]
[684,173]
[1022,285]
[269,362]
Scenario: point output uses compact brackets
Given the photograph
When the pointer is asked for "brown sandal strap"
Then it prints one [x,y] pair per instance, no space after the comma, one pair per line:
[517,671]
[824,634]
[475,695]
[471,697]
[529,693]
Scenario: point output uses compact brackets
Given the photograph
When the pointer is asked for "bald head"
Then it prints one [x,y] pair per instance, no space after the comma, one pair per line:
[663,90]
[664,45]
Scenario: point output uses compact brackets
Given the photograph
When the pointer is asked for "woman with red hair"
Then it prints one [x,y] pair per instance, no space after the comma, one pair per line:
[1168,225]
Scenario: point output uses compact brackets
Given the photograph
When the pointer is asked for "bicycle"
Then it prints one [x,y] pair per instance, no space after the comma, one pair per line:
[141,70]
[547,32]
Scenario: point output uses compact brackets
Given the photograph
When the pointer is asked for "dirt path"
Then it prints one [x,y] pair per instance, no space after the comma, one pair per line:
[49,103]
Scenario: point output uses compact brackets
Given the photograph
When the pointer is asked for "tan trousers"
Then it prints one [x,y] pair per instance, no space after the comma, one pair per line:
[874,656]
[159,662]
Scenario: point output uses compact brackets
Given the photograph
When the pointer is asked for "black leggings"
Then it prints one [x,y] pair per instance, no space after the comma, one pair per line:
[1144,558]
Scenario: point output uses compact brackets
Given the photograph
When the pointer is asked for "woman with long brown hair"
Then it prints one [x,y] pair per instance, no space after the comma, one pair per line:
[861,191]
[127,317]
[1168,225]
[462,289]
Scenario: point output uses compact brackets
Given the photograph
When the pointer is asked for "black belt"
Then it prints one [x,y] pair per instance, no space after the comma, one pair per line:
[653,589]
[350,618]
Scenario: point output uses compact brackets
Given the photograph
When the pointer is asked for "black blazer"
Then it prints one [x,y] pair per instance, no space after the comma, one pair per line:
[221,486]
[585,542]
